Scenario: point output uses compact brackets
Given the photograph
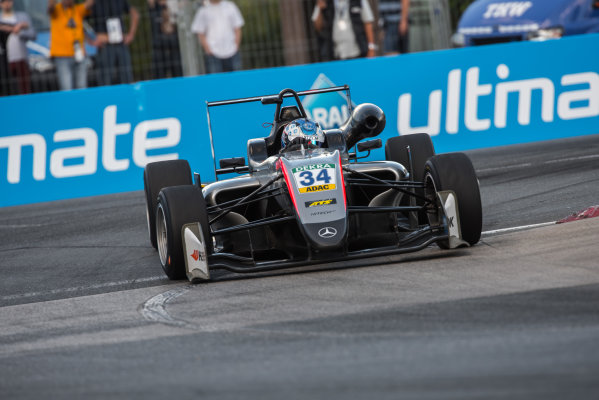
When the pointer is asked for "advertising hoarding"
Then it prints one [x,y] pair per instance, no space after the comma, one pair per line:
[96,141]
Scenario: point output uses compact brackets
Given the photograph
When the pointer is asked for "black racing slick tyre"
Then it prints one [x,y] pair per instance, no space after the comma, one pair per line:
[157,176]
[421,148]
[177,206]
[454,171]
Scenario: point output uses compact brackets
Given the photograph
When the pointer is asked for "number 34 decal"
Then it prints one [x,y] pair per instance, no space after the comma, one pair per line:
[311,179]
[308,179]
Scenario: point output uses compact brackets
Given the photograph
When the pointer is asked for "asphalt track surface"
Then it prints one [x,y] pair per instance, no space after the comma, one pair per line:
[85,311]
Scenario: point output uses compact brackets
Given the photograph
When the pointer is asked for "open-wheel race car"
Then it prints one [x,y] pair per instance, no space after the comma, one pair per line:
[304,198]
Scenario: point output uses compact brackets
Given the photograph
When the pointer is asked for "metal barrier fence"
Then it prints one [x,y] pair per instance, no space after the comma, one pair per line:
[275,33]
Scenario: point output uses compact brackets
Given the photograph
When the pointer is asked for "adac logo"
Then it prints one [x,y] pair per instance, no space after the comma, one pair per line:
[316,188]
[330,110]
[320,203]
[196,255]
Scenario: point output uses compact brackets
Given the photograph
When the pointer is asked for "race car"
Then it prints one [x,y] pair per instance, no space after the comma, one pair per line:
[304,197]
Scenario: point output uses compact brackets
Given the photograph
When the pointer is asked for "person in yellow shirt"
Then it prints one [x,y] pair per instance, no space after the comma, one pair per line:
[67,47]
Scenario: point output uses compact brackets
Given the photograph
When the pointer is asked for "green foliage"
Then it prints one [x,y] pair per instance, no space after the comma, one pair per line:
[457,8]
[141,53]
[261,44]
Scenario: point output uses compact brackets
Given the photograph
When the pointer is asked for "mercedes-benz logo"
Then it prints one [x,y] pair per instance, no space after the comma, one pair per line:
[327,232]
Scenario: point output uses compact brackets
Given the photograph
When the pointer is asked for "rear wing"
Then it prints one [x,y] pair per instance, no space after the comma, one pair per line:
[270,99]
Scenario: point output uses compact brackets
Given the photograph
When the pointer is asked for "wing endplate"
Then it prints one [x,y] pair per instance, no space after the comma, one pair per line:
[194,248]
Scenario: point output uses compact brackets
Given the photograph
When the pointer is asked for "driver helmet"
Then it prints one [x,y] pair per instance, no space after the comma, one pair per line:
[302,131]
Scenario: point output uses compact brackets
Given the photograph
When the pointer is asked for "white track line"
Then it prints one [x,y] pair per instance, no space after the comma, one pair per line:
[517,228]
[589,157]
[80,288]
[19,226]
[548,162]
[504,168]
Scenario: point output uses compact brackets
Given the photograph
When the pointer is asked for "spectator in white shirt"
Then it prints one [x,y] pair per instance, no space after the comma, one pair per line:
[218,26]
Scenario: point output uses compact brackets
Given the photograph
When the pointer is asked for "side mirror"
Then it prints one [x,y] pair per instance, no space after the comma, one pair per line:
[232,162]
[366,146]
[370,145]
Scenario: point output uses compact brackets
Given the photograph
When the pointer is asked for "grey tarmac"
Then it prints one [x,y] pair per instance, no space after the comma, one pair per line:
[514,317]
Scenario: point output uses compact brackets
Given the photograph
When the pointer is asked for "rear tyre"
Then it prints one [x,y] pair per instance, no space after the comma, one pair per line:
[421,148]
[454,171]
[157,176]
[177,206]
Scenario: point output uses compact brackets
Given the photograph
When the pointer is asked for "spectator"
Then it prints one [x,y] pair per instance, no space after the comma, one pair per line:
[4,75]
[218,26]
[404,26]
[344,28]
[67,47]
[20,29]
[394,21]
[166,57]
[113,44]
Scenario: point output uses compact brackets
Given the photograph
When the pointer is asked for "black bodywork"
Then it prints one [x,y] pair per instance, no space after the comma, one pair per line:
[255,225]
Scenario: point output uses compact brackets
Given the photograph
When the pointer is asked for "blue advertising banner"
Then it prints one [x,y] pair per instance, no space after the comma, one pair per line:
[97,141]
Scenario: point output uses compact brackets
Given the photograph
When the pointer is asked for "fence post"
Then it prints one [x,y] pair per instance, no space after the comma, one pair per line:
[192,58]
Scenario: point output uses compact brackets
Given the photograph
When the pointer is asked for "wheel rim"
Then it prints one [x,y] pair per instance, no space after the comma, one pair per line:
[148,207]
[430,193]
[148,221]
[161,234]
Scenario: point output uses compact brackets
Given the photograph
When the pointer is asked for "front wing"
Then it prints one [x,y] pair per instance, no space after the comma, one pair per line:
[446,230]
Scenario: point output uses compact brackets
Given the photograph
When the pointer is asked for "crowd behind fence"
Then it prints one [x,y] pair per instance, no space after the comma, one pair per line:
[151,39]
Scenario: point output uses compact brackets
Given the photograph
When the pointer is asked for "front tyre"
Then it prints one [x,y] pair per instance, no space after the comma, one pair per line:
[454,171]
[177,206]
[157,176]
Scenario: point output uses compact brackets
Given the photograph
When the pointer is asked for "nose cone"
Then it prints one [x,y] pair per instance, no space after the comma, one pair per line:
[328,235]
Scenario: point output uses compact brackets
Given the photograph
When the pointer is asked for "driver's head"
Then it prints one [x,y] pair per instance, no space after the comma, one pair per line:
[302,131]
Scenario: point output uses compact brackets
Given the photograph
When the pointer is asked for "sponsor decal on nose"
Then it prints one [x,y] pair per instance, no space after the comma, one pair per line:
[316,188]
[327,232]
[317,203]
